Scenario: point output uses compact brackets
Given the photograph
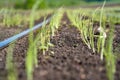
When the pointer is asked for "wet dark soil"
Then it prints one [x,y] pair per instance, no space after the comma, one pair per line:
[72,60]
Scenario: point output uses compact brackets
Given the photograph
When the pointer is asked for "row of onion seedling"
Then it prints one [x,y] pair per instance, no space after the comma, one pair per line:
[38,42]
[19,18]
[102,43]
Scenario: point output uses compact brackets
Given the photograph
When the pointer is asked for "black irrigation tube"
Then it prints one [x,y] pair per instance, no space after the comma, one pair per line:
[7,41]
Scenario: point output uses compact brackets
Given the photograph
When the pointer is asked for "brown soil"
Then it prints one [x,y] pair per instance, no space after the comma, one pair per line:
[72,60]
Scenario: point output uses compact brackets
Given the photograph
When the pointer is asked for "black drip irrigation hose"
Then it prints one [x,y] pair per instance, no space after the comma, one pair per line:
[7,41]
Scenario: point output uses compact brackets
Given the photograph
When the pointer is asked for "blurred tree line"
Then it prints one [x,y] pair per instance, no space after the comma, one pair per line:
[95,0]
[27,4]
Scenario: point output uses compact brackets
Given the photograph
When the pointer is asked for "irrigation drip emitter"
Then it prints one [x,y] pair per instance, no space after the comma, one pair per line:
[7,41]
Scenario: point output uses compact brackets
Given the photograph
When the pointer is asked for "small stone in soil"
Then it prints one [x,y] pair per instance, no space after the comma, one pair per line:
[43,72]
[82,76]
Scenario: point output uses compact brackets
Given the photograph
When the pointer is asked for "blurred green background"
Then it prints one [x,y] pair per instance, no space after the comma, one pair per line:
[27,4]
